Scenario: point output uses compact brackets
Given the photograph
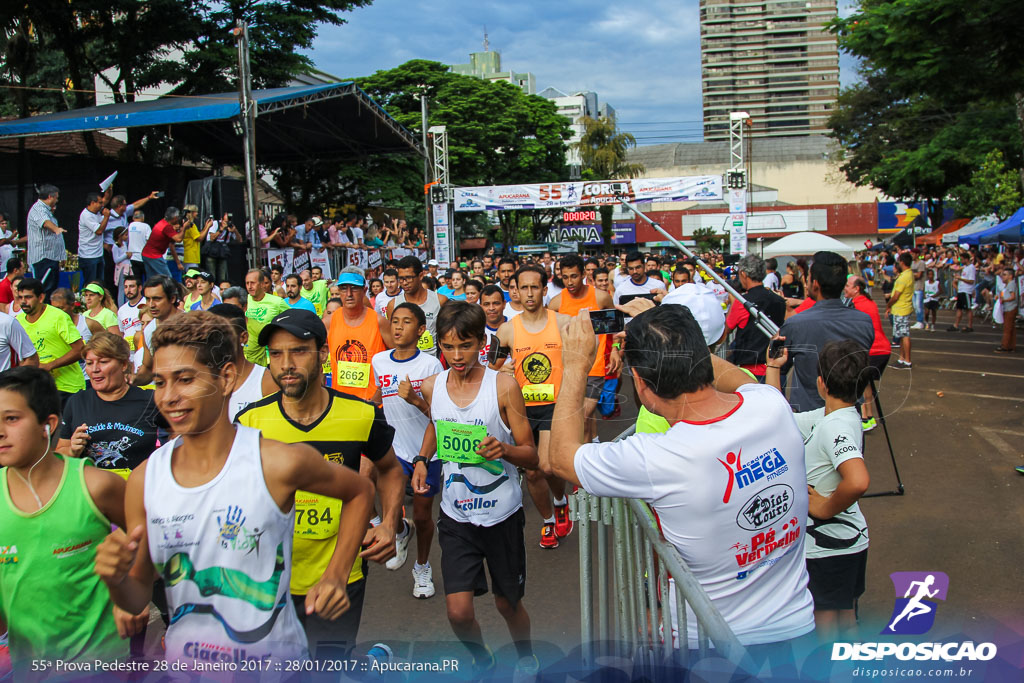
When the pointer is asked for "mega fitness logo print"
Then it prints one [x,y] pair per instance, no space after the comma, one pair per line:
[916,592]
[768,465]
[537,367]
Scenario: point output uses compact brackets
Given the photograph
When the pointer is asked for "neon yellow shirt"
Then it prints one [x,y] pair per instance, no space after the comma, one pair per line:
[105,318]
[905,286]
[316,296]
[53,333]
[257,315]
[649,423]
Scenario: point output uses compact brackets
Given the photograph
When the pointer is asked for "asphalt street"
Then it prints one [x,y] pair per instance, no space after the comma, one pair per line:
[962,511]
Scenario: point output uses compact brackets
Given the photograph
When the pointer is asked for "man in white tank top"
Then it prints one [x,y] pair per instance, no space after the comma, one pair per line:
[252,382]
[480,432]
[216,520]
[410,279]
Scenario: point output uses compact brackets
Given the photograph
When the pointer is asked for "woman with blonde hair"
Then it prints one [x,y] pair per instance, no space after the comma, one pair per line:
[100,310]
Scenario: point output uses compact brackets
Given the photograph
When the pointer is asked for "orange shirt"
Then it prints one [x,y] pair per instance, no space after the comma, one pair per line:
[570,306]
[538,360]
[352,349]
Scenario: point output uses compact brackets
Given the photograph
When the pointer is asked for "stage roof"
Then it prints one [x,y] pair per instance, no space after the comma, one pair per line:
[293,125]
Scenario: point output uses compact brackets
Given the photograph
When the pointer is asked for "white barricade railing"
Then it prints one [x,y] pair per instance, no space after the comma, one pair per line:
[633,610]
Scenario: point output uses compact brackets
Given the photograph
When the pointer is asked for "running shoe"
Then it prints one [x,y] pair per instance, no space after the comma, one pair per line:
[952,328]
[484,666]
[1020,469]
[902,364]
[917,326]
[967,329]
[422,582]
[563,525]
[401,548]
[868,425]
[526,669]
[548,537]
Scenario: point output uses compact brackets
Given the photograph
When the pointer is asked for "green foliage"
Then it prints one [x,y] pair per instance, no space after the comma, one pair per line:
[603,152]
[707,239]
[941,88]
[992,189]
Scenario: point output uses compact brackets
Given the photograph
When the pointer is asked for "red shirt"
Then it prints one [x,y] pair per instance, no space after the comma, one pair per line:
[808,302]
[159,239]
[6,293]
[880,345]
[738,317]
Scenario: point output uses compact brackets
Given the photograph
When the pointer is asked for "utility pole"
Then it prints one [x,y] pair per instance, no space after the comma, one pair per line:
[736,184]
[247,116]
[427,227]
[444,237]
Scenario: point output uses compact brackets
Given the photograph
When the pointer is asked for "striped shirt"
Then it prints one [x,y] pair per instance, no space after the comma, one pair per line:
[43,243]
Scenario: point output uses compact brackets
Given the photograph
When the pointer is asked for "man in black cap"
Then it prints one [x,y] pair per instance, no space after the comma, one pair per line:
[344,429]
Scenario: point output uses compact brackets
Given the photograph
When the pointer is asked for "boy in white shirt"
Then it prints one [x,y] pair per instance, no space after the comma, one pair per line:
[837,534]
[931,300]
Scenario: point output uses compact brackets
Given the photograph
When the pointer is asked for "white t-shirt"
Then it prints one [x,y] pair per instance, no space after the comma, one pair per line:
[380,303]
[13,338]
[771,281]
[829,441]
[630,287]
[486,350]
[931,290]
[90,245]
[409,422]
[619,278]
[138,235]
[731,495]
[128,318]
[510,312]
[552,291]
[7,250]
[969,272]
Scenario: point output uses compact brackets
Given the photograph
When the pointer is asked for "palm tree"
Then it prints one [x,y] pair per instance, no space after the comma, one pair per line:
[603,149]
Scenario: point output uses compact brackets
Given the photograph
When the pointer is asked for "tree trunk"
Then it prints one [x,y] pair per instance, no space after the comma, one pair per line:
[606,211]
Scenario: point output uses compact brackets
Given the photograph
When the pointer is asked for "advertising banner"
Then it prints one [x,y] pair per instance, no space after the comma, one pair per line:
[357,258]
[738,221]
[589,193]
[622,233]
[321,259]
[280,257]
[442,234]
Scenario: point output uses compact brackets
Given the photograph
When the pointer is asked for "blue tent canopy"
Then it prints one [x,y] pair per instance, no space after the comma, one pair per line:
[1008,230]
[295,124]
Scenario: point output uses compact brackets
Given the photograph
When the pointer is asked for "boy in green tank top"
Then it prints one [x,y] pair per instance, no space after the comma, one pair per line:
[54,512]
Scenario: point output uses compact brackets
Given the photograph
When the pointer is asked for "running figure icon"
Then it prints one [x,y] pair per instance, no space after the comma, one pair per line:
[915,607]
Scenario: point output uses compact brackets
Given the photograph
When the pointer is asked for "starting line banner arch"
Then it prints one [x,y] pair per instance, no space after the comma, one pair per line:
[706,188]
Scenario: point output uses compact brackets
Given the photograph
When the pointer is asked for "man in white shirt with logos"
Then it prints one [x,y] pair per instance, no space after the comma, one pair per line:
[91,224]
[708,477]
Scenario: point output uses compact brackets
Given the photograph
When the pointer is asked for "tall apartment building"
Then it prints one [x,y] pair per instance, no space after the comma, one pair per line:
[487,65]
[772,59]
[574,107]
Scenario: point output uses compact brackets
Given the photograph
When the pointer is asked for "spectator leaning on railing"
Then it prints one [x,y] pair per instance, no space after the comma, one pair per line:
[703,477]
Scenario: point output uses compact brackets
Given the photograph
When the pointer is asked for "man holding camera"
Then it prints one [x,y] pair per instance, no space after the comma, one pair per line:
[748,349]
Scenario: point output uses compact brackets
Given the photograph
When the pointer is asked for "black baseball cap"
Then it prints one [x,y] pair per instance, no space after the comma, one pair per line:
[296,321]
[204,275]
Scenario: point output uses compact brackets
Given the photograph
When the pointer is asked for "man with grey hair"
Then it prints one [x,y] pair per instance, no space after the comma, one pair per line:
[46,248]
[236,296]
[748,348]
[164,232]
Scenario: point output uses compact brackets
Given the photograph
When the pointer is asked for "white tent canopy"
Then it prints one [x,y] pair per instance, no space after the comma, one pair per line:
[805,244]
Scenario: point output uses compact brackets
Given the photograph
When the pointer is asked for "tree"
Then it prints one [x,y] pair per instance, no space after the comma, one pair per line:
[993,189]
[947,51]
[496,134]
[603,152]
[707,239]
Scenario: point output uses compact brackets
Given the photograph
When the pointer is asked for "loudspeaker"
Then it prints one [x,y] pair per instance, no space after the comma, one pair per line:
[217,195]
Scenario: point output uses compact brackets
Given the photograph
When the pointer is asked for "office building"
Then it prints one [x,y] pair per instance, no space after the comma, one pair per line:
[772,59]
[487,65]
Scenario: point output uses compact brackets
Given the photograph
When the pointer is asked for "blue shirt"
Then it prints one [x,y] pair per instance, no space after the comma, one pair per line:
[445,291]
[807,332]
[301,303]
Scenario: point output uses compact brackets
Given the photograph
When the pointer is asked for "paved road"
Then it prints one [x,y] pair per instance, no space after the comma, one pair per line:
[962,512]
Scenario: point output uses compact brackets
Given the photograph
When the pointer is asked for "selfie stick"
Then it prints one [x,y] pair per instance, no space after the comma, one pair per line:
[881,418]
[763,322]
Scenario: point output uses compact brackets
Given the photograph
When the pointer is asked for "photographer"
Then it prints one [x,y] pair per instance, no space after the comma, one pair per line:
[750,344]
[714,436]
[215,251]
[827,320]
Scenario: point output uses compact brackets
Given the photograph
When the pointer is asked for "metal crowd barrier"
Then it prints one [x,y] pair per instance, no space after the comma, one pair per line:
[632,617]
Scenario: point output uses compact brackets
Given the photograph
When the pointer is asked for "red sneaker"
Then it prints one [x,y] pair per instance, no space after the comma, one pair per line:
[548,538]
[563,525]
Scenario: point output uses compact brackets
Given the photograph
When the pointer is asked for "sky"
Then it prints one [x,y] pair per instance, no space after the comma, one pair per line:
[641,57]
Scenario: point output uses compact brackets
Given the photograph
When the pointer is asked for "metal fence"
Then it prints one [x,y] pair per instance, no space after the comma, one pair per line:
[640,581]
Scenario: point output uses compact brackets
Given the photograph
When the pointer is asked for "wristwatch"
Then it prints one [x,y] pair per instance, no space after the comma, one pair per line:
[419,459]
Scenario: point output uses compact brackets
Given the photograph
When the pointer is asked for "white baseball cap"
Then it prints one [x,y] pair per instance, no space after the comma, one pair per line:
[704,305]
[433,262]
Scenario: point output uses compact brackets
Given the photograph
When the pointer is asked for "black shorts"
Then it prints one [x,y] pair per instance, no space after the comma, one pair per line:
[931,305]
[837,581]
[963,301]
[877,365]
[465,547]
[539,418]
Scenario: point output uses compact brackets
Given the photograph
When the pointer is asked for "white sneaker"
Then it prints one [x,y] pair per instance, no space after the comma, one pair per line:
[401,548]
[423,582]
[917,326]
